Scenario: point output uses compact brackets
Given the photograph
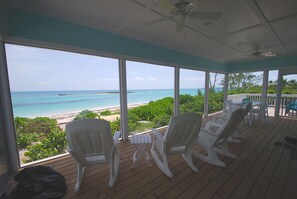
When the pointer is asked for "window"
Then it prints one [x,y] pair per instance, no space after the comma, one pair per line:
[192,90]
[50,88]
[150,95]
[216,92]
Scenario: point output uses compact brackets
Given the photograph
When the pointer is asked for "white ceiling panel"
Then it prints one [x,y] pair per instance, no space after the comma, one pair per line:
[232,58]
[249,39]
[292,48]
[274,9]
[227,23]
[243,25]
[286,29]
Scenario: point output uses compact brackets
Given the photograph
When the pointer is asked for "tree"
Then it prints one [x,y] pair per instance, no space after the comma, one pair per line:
[243,81]
[212,85]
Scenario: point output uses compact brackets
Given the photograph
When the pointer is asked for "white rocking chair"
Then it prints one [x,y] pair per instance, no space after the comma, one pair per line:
[181,135]
[214,136]
[235,136]
[90,142]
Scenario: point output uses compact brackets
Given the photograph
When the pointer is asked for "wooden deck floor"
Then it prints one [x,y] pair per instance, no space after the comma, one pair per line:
[261,170]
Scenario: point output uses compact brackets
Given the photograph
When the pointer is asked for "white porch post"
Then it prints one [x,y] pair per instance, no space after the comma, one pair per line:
[206,94]
[265,85]
[226,89]
[123,99]
[279,93]
[7,111]
[176,90]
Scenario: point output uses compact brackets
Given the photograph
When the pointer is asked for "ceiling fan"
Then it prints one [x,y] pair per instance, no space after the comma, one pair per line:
[258,53]
[183,9]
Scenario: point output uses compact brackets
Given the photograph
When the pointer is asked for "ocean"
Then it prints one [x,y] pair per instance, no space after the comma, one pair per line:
[48,103]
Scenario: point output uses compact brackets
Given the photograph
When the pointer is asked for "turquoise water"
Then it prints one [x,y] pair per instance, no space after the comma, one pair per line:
[46,103]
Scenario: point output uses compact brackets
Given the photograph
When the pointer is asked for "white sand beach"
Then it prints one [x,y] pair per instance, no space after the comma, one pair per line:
[62,119]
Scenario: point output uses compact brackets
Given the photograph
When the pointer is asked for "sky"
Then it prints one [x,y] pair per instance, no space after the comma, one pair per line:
[38,69]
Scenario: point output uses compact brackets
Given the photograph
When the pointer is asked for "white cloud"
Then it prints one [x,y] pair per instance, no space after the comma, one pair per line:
[107,80]
[192,79]
[138,78]
[151,78]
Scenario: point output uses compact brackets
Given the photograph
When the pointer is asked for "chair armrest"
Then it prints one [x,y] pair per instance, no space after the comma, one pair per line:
[208,132]
[116,136]
[219,119]
[157,134]
[210,123]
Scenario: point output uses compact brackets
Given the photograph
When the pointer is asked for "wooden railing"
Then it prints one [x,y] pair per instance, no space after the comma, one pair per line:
[271,100]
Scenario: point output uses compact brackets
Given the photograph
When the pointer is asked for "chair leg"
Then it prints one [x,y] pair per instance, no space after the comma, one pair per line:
[80,173]
[114,166]
[163,165]
[224,150]
[211,158]
[188,158]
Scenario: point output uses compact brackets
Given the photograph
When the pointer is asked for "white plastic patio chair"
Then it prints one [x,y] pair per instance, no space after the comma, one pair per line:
[261,112]
[214,136]
[90,142]
[181,135]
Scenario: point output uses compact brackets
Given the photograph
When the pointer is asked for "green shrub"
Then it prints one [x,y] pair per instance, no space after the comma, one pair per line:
[54,144]
[86,114]
[192,104]
[25,139]
[106,113]
[115,125]
[34,130]
[161,120]
[43,125]
[153,109]
[132,123]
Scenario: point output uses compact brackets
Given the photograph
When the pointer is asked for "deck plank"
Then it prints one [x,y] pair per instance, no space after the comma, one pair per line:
[257,168]
[246,160]
[262,183]
[225,174]
[261,170]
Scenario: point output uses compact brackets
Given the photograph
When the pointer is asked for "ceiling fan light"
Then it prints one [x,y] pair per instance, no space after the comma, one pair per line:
[269,54]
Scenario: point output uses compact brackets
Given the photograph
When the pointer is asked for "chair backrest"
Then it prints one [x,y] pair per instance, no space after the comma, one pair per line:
[182,132]
[228,106]
[89,138]
[230,125]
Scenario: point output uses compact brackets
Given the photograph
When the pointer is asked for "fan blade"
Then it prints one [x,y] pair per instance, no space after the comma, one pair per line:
[158,20]
[206,15]
[180,23]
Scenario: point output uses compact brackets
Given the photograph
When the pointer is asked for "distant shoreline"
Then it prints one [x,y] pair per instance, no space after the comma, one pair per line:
[64,118]
[103,92]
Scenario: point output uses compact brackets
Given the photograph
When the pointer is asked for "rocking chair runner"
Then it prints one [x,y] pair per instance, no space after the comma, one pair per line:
[90,142]
[214,136]
[181,135]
